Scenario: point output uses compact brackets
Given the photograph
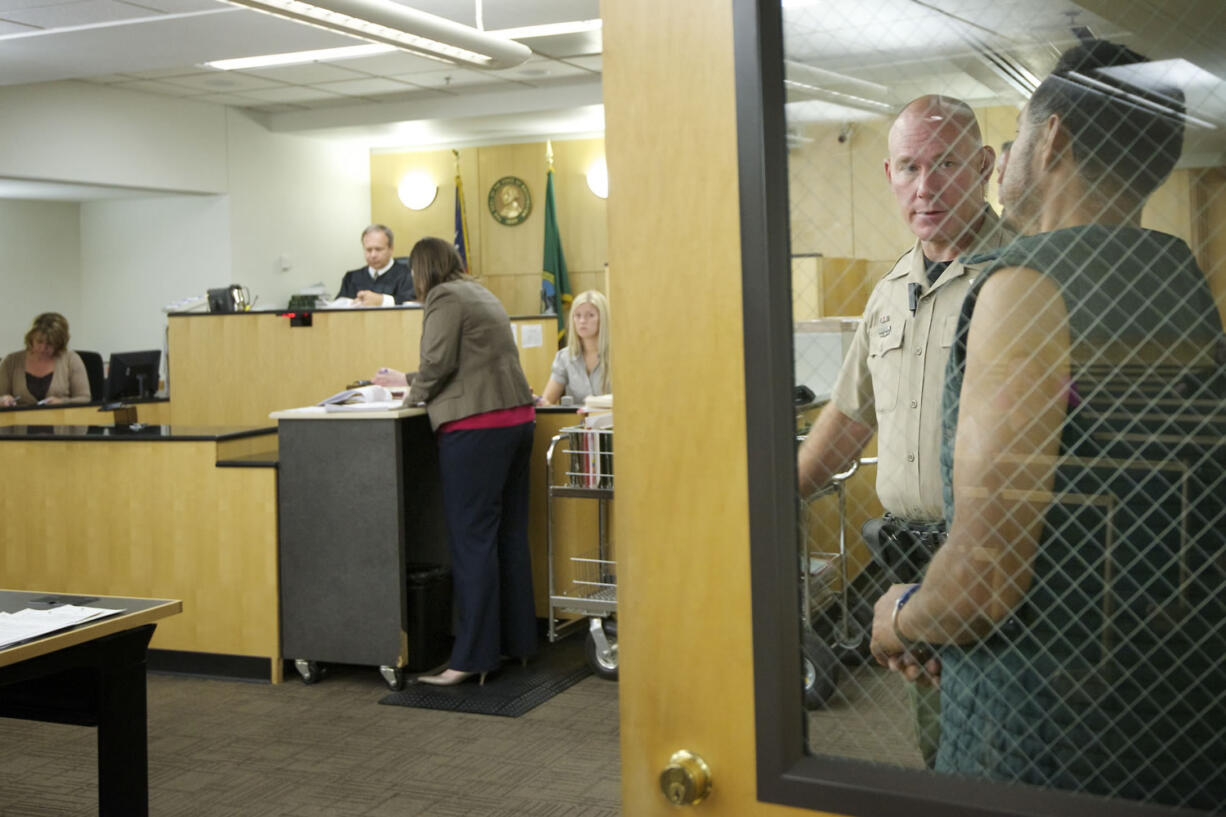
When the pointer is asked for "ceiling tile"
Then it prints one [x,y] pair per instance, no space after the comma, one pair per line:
[14,28]
[237,100]
[13,5]
[109,79]
[366,87]
[83,12]
[590,63]
[291,93]
[400,62]
[451,78]
[173,6]
[539,69]
[152,86]
[581,43]
[276,107]
[163,73]
[306,74]
[220,82]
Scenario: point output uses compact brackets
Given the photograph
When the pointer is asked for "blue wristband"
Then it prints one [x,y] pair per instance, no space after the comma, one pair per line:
[910,646]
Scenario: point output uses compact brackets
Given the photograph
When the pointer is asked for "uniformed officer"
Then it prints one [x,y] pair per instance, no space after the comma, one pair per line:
[891,379]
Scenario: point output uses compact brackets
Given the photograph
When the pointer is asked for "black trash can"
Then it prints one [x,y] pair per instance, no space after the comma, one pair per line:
[428,599]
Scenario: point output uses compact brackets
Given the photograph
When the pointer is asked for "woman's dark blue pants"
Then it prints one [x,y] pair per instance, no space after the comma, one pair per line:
[485,499]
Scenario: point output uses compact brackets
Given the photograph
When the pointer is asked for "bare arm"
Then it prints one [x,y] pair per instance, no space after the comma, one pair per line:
[834,441]
[553,393]
[1013,404]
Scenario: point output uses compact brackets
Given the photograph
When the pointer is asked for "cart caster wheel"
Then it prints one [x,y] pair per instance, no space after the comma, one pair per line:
[393,677]
[310,671]
[820,670]
[601,648]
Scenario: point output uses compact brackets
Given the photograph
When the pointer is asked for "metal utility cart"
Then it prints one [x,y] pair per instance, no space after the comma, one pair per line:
[821,572]
[591,587]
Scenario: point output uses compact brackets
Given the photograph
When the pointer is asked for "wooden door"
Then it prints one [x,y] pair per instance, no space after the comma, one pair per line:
[685,632]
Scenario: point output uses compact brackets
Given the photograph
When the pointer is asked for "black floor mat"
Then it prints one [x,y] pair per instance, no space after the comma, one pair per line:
[511,691]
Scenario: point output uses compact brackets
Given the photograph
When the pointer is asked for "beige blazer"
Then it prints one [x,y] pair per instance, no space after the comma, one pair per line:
[469,362]
[69,380]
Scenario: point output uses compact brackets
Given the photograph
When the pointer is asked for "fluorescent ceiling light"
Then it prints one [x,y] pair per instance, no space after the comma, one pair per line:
[548,30]
[298,57]
[386,21]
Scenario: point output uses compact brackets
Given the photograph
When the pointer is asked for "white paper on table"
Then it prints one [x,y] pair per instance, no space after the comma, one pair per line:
[28,623]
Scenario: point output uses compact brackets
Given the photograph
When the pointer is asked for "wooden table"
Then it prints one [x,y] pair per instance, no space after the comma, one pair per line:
[90,675]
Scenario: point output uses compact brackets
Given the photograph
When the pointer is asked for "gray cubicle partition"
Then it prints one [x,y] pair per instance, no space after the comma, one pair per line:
[359,499]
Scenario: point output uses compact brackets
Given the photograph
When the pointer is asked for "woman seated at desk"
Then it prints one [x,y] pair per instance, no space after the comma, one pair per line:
[582,368]
[47,371]
[480,405]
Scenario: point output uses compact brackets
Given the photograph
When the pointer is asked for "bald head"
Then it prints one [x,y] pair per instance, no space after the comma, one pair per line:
[936,112]
[938,167]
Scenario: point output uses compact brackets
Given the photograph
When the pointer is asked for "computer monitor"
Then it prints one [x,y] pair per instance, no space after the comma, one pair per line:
[132,375]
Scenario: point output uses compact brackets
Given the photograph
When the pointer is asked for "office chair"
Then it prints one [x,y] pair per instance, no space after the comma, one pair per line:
[93,368]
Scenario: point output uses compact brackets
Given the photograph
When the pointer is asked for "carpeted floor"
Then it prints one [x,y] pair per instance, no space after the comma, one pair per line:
[234,749]
[868,718]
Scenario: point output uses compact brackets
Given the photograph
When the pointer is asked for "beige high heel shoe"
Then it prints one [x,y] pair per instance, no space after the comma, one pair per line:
[450,677]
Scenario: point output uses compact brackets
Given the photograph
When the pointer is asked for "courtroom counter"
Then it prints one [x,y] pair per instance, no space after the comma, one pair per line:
[149,512]
[135,432]
[149,410]
[315,310]
[237,368]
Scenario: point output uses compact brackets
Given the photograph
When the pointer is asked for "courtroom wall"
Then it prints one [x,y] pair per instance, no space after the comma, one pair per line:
[294,198]
[40,269]
[138,254]
[228,200]
[507,259]
[842,206]
[87,133]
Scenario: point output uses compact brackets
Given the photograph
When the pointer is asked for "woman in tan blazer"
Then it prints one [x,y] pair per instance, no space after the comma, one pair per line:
[481,407]
[46,371]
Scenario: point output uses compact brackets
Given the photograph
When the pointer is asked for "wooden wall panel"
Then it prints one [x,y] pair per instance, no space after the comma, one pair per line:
[506,259]
[149,519]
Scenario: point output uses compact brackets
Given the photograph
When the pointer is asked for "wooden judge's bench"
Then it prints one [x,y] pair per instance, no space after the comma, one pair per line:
[236,369]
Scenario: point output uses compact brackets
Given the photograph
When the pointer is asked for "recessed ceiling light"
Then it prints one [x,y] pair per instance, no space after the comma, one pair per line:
[548,30]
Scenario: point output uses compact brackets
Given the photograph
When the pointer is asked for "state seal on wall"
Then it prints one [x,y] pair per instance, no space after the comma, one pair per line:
[510,202]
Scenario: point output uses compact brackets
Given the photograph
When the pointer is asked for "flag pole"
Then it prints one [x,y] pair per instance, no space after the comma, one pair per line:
[461,239]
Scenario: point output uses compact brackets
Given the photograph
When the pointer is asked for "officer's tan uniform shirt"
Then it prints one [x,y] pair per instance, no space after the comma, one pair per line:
[892,376]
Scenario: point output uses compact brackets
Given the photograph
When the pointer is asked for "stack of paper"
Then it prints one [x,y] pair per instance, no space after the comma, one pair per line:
[365,398]
[28,624]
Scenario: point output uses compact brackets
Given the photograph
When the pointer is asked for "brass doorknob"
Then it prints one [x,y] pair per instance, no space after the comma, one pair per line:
[686,781]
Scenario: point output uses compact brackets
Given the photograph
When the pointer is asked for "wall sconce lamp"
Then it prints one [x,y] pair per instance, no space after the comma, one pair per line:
[598,178]
[417,190]
[389,22]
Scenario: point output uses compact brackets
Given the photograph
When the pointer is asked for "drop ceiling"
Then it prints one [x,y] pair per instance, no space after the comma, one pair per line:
[888,50]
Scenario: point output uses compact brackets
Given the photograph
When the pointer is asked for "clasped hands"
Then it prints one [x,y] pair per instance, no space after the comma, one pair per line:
[368,298]
[920,667]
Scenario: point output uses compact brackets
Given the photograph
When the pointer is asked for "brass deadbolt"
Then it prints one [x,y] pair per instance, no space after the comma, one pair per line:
[686,781]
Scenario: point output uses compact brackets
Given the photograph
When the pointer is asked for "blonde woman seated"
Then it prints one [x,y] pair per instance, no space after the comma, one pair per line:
[47,372]
[582,368]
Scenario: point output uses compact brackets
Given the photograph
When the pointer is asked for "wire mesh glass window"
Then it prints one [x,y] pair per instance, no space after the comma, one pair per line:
[1008,245]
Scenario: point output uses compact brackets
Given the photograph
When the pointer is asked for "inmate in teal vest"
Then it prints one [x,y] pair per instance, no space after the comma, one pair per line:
[1111,676]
